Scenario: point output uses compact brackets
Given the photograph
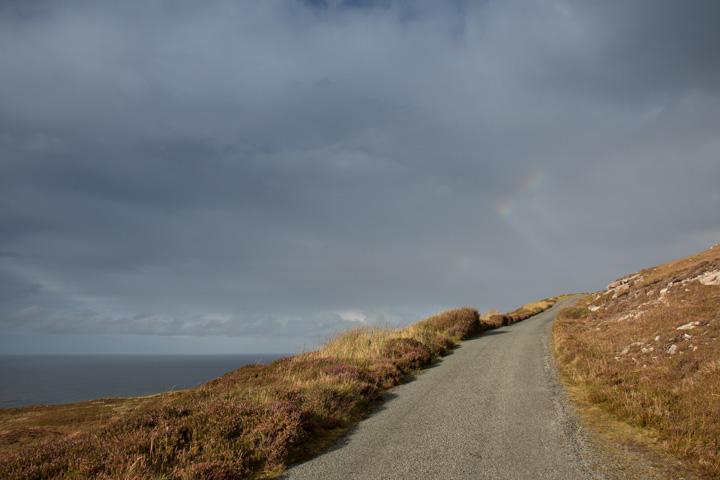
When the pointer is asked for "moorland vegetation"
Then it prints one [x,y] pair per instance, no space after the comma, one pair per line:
[646,351]
[250,423]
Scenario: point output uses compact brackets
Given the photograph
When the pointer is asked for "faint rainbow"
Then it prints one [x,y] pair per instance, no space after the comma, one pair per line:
[507,208]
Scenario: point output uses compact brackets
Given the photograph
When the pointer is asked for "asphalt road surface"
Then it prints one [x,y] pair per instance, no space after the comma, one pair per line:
[490,410]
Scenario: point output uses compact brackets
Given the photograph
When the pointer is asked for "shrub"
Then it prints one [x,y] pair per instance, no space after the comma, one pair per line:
[407,353]
[463,322]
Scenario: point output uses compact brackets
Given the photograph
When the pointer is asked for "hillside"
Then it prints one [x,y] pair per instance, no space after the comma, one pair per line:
[646,350]
[251,422]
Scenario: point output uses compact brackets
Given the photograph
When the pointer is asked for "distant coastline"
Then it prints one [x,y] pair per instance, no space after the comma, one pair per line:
[57,379]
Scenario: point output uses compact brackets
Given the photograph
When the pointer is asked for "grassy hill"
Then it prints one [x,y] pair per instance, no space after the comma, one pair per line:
[250,423]
[646,350]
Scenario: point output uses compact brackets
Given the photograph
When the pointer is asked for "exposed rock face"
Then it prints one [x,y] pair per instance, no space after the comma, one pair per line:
[622,286]
[688,326]
[621,290]
[710,278]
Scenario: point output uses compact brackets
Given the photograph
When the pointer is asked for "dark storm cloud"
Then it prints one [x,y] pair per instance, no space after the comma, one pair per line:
[648,49]
[286,168]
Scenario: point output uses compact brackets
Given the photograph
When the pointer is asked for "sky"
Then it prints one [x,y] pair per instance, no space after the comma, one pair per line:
[252,176]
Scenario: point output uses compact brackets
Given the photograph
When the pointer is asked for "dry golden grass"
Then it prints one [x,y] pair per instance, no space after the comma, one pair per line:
[356,343]
[249,423]
[647,351]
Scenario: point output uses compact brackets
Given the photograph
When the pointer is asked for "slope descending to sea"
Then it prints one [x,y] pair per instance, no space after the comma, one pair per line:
[646,351]
[256,420]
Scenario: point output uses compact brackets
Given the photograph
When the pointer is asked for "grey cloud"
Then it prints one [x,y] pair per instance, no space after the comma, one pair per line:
[13,286]
[659,47]
[222,168]
[16,292]
[39,320]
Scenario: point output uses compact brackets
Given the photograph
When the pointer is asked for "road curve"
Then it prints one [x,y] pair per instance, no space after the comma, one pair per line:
[490,410]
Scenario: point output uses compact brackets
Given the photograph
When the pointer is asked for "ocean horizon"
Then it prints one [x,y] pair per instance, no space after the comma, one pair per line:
[56,379]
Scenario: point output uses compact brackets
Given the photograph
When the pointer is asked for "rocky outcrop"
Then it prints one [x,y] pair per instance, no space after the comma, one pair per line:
[621,287]
[621,290]
[689,326]
[710,278]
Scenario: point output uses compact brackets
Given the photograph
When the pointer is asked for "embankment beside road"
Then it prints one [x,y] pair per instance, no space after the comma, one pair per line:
[646,351]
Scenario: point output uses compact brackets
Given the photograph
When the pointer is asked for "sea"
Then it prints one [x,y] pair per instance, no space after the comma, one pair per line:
[56,379]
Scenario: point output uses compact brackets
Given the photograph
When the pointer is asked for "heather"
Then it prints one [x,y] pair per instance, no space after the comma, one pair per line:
[255,420]
[24,427]
[646,350]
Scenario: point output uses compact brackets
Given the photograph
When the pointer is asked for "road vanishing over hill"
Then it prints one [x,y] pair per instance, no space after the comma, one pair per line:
[490,410]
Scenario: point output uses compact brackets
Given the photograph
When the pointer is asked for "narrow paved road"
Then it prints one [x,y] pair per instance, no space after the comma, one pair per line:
[491,410]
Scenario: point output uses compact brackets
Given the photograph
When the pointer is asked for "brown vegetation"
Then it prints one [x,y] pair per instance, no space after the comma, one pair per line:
[250,422]
[647,351]
[35,425]
[496,320]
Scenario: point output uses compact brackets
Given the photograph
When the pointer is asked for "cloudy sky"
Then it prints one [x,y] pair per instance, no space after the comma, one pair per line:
[250,176]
